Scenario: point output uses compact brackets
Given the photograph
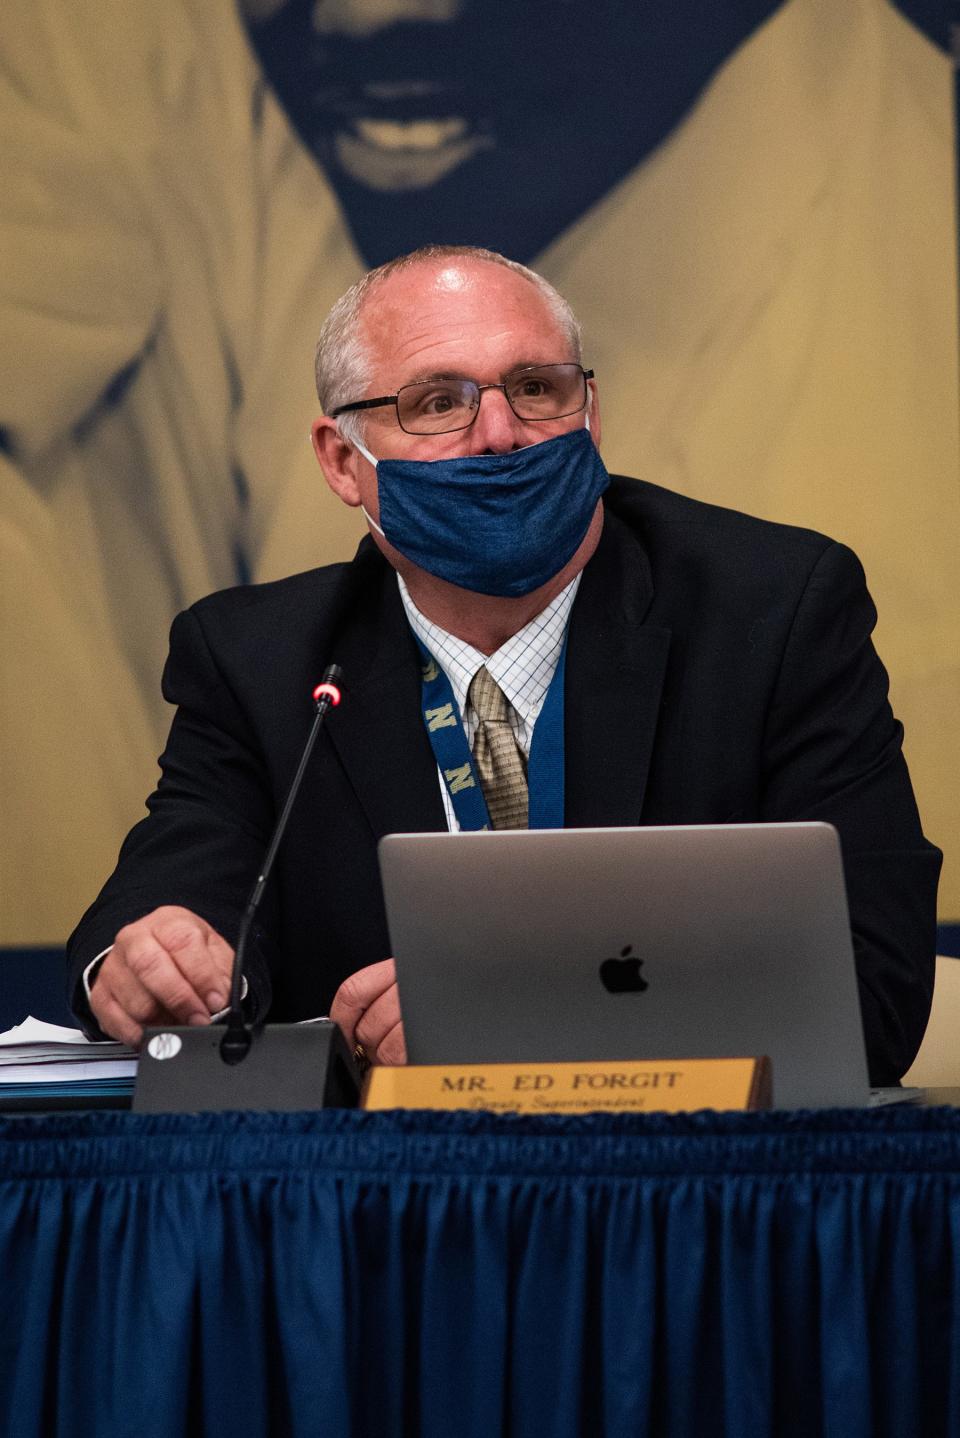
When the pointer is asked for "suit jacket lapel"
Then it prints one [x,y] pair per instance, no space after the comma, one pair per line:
[378,730]
[615,672]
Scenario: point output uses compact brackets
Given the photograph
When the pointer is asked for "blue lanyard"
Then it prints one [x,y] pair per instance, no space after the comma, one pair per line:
[444,725]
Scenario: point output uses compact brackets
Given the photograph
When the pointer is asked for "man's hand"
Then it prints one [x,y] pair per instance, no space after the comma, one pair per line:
[367,1008]
[168,967]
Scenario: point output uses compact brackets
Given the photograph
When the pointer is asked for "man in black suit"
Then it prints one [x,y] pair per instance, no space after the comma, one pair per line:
[717,669]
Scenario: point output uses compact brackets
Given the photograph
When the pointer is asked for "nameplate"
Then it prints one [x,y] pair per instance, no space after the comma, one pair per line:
[663,1086]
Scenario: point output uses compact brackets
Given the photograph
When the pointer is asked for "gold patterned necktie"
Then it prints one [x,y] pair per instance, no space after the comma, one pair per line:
[499,760]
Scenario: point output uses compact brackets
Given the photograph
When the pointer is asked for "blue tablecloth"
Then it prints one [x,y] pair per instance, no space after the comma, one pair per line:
[464,1274]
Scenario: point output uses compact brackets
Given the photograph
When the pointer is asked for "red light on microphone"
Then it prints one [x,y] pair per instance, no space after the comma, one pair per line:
[330,690]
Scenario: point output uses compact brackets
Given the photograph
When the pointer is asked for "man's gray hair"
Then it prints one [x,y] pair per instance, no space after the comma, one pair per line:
[343,366]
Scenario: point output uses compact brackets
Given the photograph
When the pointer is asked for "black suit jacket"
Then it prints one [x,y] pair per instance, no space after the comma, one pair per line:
[719,669]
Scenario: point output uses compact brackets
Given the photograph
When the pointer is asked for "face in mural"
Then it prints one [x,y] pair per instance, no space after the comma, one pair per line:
[511,118]
[377,86]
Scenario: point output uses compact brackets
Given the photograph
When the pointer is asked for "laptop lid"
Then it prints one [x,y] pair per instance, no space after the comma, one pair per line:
[642,943]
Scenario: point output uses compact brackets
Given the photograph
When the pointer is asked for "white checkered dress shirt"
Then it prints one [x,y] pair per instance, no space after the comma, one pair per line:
[523,667]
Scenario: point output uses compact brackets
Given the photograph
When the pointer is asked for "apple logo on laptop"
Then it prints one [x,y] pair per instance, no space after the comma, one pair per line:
[623,976]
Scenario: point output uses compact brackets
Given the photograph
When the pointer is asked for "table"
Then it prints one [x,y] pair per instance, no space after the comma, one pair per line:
[463,1274]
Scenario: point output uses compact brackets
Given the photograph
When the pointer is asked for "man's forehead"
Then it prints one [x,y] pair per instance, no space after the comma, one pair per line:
[431,304]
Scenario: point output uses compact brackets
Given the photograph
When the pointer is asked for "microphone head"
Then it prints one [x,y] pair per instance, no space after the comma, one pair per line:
[329,686]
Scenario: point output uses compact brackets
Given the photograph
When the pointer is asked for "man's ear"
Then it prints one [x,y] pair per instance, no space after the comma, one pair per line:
[593,410]
[337,459]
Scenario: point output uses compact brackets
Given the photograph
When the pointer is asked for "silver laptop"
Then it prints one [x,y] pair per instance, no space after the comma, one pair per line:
[686,942]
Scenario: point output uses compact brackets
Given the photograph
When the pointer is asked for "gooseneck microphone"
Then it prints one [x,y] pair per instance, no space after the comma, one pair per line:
[236,1041]
[253,1066]
[261,1067]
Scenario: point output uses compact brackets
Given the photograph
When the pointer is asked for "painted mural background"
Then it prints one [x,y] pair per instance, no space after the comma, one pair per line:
[751,205]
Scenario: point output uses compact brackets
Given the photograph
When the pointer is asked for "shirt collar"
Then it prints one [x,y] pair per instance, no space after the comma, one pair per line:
[523,666]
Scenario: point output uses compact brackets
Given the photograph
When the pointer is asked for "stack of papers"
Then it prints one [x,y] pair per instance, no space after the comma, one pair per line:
[48,1062]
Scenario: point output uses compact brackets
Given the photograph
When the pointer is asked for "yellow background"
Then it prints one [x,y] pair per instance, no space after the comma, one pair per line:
[770,304]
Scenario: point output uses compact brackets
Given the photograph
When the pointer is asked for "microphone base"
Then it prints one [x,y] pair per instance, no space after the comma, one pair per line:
[289,1067]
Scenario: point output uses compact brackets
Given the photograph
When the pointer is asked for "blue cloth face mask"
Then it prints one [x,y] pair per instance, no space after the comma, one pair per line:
[493,523]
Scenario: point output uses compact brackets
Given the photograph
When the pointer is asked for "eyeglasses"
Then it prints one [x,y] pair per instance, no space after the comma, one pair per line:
[546,391]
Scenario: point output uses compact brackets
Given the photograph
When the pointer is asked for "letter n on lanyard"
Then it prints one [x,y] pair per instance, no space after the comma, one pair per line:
[444,726]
